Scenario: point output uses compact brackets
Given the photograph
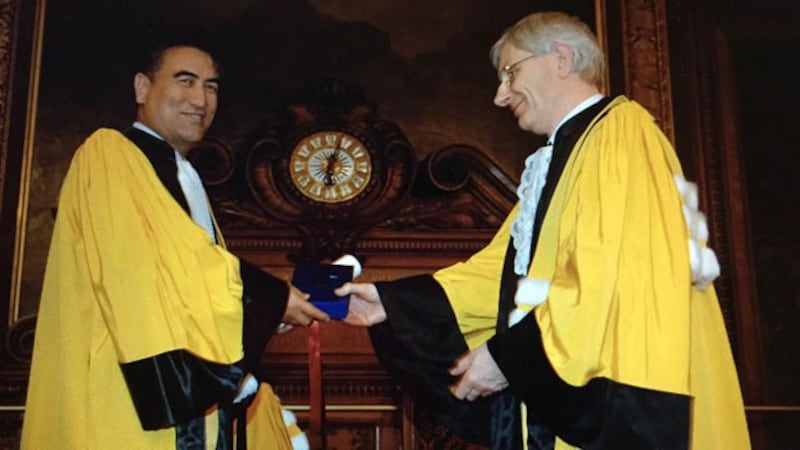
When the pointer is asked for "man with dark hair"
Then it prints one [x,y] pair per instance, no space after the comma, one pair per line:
[589,320]
[148,328]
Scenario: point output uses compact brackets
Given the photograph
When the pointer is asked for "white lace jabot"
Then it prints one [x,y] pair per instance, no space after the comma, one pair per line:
[529,191]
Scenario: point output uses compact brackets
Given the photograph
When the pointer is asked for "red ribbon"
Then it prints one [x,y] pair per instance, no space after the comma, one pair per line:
[317,407]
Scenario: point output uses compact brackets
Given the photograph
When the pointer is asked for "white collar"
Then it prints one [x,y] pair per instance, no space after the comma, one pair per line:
[140,126]
[581,106]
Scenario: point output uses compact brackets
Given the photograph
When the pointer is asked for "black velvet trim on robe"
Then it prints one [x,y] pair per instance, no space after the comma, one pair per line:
[176,386]
[162,157]
[418,343]
[602,414]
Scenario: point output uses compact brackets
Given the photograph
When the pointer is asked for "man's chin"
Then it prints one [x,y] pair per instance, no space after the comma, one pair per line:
[525,125]
[196,135]
[531,127]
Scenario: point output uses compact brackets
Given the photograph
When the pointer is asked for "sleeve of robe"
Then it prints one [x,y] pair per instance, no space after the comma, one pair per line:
[170,297]
[422,339]
[265,298]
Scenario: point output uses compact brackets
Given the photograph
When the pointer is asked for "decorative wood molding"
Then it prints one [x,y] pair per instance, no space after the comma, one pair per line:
[8,21]
[715,183]
[449,204]
[646,59]
[733,229]
[16,24]
[711,129]
[19,339]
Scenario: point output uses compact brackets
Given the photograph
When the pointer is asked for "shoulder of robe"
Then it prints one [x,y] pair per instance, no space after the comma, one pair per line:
[102,139]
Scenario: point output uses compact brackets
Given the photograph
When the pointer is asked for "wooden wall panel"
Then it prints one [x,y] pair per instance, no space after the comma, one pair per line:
[735,102]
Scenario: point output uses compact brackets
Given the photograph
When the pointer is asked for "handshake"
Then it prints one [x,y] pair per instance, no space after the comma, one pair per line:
[317,292]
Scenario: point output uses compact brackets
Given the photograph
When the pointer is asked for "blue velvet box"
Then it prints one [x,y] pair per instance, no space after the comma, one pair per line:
[319,281]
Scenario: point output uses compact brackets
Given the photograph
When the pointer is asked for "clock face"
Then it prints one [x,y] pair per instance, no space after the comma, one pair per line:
[330,166]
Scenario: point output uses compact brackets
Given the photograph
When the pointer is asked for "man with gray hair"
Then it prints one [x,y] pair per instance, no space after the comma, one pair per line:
[590,319]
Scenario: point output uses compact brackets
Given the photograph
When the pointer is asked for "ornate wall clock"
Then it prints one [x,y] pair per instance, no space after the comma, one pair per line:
[327,169]
[330,166]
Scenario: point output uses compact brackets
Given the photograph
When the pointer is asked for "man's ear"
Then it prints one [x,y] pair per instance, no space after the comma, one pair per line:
[141,85]
[565,57]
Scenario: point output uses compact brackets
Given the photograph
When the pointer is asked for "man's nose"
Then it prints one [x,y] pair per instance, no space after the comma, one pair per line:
[198,96]
[503,95]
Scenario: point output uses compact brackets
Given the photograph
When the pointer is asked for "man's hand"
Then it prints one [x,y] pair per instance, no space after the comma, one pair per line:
[480,375]
[299,311]
[365,307]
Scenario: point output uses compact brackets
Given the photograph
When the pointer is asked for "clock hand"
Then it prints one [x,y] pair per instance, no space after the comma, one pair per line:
[330,168]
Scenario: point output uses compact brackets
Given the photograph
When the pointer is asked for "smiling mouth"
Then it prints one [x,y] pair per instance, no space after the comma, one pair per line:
[195,117]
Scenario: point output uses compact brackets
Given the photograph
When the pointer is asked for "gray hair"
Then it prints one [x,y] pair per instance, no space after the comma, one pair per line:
[540,33]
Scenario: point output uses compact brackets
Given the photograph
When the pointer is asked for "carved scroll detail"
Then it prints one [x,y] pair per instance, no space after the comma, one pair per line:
[646,59]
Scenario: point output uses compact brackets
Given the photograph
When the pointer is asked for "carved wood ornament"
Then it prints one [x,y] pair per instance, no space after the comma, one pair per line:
[331,171]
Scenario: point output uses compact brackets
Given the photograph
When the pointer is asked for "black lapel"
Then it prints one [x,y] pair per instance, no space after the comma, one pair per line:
[565,140]
[162,157]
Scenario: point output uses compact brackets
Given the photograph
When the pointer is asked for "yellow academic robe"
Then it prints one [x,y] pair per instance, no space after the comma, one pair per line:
[129,276]
[621,303]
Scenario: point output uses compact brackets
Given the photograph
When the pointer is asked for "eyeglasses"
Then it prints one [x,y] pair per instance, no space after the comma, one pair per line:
[508,71]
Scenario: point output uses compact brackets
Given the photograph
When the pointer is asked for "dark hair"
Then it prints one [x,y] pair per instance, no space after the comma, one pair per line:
[156,42]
